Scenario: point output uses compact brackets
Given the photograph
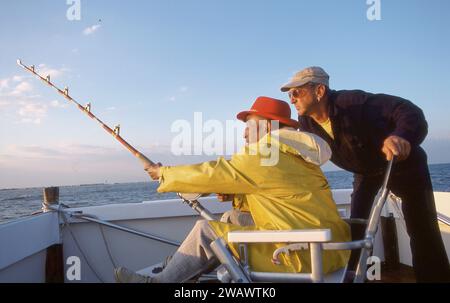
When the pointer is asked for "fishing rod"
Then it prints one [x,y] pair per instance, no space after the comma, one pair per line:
[189,198]
[87,110]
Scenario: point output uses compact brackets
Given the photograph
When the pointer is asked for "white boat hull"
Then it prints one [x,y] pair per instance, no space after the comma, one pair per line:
[24,242]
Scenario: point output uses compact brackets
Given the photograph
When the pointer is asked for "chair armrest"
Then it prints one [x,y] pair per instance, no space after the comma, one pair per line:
[355,221]
[280,236]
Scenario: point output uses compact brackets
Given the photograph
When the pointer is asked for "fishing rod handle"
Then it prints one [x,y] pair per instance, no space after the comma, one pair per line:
[145,161]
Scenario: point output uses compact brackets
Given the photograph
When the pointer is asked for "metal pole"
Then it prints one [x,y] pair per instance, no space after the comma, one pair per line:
[118,227]
[219,248]
[316,262]
[198,207]
[372,226]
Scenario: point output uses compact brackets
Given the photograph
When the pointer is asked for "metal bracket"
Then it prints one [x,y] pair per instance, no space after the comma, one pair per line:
[117,130]
[287,249]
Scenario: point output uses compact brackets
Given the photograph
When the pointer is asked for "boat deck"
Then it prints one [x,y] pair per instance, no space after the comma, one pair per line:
[401,274]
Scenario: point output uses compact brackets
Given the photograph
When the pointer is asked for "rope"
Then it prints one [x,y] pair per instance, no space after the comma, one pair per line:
[111,258]
[67,224]
[108,250]
[114,264]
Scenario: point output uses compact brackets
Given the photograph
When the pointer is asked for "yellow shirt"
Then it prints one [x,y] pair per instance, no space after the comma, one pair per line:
[327,127]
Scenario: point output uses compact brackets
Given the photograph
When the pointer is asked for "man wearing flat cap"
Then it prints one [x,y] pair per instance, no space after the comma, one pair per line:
[364,130]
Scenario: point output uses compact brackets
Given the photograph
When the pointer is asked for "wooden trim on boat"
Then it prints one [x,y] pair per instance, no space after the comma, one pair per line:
[54,263]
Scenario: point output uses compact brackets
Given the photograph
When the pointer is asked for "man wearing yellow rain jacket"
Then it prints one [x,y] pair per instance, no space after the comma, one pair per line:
[282,185]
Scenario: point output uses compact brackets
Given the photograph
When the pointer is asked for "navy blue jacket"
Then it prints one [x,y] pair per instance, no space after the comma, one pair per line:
[361,121]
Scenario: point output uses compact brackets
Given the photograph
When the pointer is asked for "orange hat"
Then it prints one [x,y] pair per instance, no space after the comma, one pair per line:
[272,109]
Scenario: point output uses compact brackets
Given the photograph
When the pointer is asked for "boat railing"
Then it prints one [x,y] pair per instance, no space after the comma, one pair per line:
[443,219]
[94,219]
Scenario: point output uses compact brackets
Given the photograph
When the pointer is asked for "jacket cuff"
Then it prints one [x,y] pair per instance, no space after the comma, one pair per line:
[163,169]
[408,136]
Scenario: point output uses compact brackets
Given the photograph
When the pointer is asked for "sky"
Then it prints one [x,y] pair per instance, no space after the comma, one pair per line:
[146,64]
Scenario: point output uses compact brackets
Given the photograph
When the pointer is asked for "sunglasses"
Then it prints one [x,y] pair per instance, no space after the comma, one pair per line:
[298,92]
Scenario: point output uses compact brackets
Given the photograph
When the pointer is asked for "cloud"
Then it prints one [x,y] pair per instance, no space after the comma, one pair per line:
[32,113]
[91,29]
[19,86]
[30,151]
[4,104]
[19,100]
[181,91]
[21,103]
[68,163]
[4,84]
[45,70]
[111,108]
[68,150]
[86,149]
[57,104]
[57,151]
[9,87]
[21,89]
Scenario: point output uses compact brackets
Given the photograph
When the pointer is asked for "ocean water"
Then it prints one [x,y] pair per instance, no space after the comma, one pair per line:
[17,203]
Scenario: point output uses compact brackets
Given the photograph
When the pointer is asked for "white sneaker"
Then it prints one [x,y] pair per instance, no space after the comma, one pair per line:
[124,275]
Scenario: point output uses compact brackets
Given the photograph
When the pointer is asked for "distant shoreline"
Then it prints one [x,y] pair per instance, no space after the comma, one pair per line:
[78,185]
[135,182]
